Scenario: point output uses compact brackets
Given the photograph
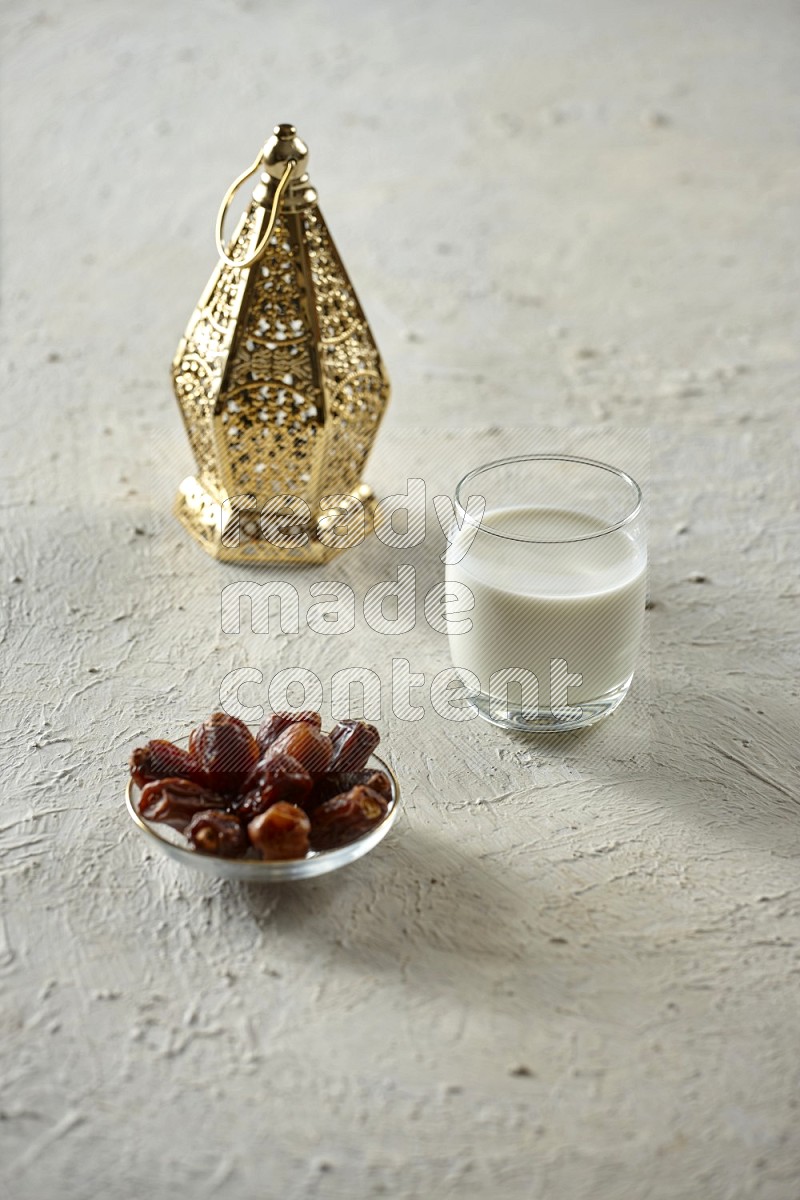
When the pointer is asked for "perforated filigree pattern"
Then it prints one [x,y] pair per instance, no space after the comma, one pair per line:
[355,383]
[272,408]
[279,379]
[201,358]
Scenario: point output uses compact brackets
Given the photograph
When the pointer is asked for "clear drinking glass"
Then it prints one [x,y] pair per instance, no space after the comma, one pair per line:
[548,578]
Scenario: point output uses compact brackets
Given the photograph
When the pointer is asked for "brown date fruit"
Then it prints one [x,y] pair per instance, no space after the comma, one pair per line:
[175,801]
[277,722]
[162,760]
[277,777]
[353,742]
[281,832]
[309,746]
[346,817]
[224,750]
[379,782]
[217,833]
[333,783]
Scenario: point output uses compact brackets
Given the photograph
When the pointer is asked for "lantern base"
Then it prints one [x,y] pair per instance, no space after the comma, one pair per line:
[234,534]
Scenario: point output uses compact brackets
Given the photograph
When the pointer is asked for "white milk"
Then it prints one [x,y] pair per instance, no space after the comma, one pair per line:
[535,602]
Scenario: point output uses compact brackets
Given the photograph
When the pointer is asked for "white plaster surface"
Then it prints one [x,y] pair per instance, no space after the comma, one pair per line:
[572,970]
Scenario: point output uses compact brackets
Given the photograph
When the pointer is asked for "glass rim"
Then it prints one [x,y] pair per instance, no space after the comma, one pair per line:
[572,458]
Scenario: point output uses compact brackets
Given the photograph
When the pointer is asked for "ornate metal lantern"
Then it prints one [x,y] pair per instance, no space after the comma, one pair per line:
[279,381]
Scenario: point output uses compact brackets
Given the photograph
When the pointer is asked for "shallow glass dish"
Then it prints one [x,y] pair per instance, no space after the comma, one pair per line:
[256,870]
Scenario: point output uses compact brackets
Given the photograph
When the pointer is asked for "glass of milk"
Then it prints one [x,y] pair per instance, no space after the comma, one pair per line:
[547,571]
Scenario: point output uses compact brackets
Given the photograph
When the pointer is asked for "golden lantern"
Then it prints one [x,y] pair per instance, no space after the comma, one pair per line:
[279,381]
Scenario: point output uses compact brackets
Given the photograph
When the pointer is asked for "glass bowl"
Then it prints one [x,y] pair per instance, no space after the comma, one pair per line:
[169,841]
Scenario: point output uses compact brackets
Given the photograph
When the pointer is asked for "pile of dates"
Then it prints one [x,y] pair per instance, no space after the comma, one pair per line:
[288,790]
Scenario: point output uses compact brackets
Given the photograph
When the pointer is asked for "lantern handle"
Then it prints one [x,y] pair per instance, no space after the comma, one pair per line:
[254,255]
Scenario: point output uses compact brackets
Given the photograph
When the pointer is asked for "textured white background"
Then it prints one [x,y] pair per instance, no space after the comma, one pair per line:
[570,972]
